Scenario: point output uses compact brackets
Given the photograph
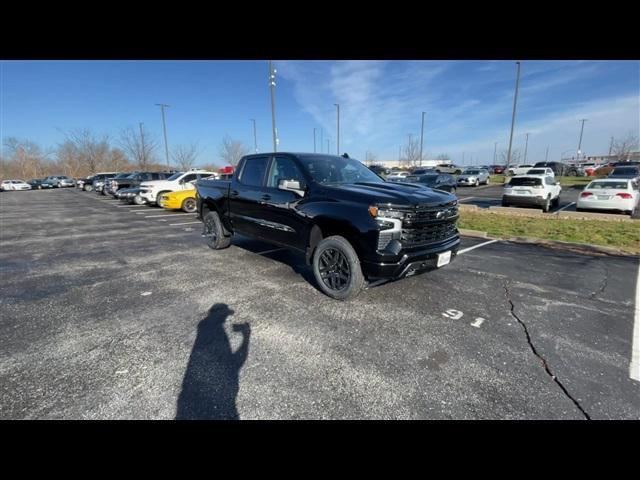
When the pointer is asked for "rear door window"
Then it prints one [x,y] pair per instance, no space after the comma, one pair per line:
[525,182]
[253,171]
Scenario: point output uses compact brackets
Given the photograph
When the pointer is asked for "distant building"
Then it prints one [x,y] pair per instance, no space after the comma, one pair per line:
[632,156]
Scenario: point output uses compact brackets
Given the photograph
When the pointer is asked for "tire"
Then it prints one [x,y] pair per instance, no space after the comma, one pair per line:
[458,172]
[217,236]
[138,200]
[487,181]
[158,203]
[477,183]
[556,202]
[336,268]
[504,204]
[189,205]
[547,204]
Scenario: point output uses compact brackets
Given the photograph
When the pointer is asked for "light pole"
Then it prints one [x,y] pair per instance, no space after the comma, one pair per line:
[255,138]
[580,141]
[495,152]
[314,140]
[421,137]
[546,155]
[321,140]
[328,150]
[338,129]
[272,87]
[513,117]
[526,145]
[164,128]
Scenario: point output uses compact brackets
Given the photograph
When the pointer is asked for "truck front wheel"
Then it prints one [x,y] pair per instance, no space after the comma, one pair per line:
[215,233]
[337,270]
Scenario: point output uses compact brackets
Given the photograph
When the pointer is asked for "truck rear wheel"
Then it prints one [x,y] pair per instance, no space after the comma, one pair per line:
[336,268]
[215,233]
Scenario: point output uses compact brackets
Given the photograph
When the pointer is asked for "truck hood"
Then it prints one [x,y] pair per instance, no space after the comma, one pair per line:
[152,183]
[406,194]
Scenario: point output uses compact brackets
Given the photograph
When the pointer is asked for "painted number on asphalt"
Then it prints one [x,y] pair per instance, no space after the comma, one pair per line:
[457,314]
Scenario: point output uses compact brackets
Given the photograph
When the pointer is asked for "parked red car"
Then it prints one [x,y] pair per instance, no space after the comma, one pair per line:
[497,169]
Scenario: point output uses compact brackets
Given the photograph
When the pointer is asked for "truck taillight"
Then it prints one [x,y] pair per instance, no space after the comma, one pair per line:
[624,195]
[586,194]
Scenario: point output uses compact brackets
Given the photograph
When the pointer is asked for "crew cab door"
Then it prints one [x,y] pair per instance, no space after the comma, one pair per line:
[280,220]
[247,189]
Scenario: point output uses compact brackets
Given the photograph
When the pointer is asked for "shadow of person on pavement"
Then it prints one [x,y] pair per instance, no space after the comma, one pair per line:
[210,383]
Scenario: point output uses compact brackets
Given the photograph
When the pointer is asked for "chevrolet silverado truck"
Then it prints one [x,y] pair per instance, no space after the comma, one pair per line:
[354,228]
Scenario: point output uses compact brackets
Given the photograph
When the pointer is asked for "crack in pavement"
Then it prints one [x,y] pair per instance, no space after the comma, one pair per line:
[606,280]
[542,359]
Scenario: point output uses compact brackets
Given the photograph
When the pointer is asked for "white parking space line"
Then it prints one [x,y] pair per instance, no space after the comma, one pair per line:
[168,215]
[466,198]
[634,366]
[186,223]
[130,206]
[566,206]
[465,250]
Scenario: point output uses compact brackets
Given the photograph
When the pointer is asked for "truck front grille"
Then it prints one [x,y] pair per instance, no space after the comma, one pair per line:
[427,225]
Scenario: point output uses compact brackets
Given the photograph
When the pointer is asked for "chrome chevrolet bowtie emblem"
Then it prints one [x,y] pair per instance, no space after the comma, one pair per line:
[440,214]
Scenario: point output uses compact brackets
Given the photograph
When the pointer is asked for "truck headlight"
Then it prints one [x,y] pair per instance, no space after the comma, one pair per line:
[386,213]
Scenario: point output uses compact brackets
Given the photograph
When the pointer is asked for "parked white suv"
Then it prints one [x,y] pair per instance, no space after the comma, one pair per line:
[537,190]
[152,190]
[519,169]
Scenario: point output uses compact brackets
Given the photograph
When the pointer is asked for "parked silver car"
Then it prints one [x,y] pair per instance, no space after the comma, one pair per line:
[473,177]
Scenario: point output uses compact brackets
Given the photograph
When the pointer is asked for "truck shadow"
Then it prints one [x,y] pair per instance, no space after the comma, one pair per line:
[211,380]
[291,258]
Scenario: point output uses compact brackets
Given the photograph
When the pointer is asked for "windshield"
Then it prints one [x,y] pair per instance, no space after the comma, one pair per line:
[524,182]
[601,185]
[175,176]
[330,170]
[123,175]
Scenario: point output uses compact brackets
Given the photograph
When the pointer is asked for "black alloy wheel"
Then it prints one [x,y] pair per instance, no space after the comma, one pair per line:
[334,269]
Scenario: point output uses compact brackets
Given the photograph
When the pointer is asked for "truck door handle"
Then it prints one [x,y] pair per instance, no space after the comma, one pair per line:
[234,193]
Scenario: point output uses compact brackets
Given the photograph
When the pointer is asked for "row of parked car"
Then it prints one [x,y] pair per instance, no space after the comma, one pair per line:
[54,181]
[173,190]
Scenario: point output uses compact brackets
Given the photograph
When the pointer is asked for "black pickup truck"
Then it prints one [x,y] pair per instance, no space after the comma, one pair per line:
[353,227]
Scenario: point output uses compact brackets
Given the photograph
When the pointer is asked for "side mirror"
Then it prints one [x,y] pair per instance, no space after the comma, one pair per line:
[292,186]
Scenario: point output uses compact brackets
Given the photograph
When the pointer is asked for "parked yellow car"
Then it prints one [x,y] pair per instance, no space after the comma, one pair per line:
[181,200]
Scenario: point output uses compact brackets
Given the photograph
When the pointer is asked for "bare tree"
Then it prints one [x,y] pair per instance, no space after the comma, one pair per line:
[370,157]
[411,151]
[91,152]
[26,158]
[231,151]
[139,145]
[185,155]
[516,155]
[443,156]
[623,147]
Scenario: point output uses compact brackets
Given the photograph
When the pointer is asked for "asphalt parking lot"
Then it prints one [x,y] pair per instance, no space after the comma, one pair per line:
[112,311]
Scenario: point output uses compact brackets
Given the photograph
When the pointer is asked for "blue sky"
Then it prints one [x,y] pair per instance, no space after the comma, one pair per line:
[468,103]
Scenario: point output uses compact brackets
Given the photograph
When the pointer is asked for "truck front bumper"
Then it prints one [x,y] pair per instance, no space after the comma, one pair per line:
[410,263]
